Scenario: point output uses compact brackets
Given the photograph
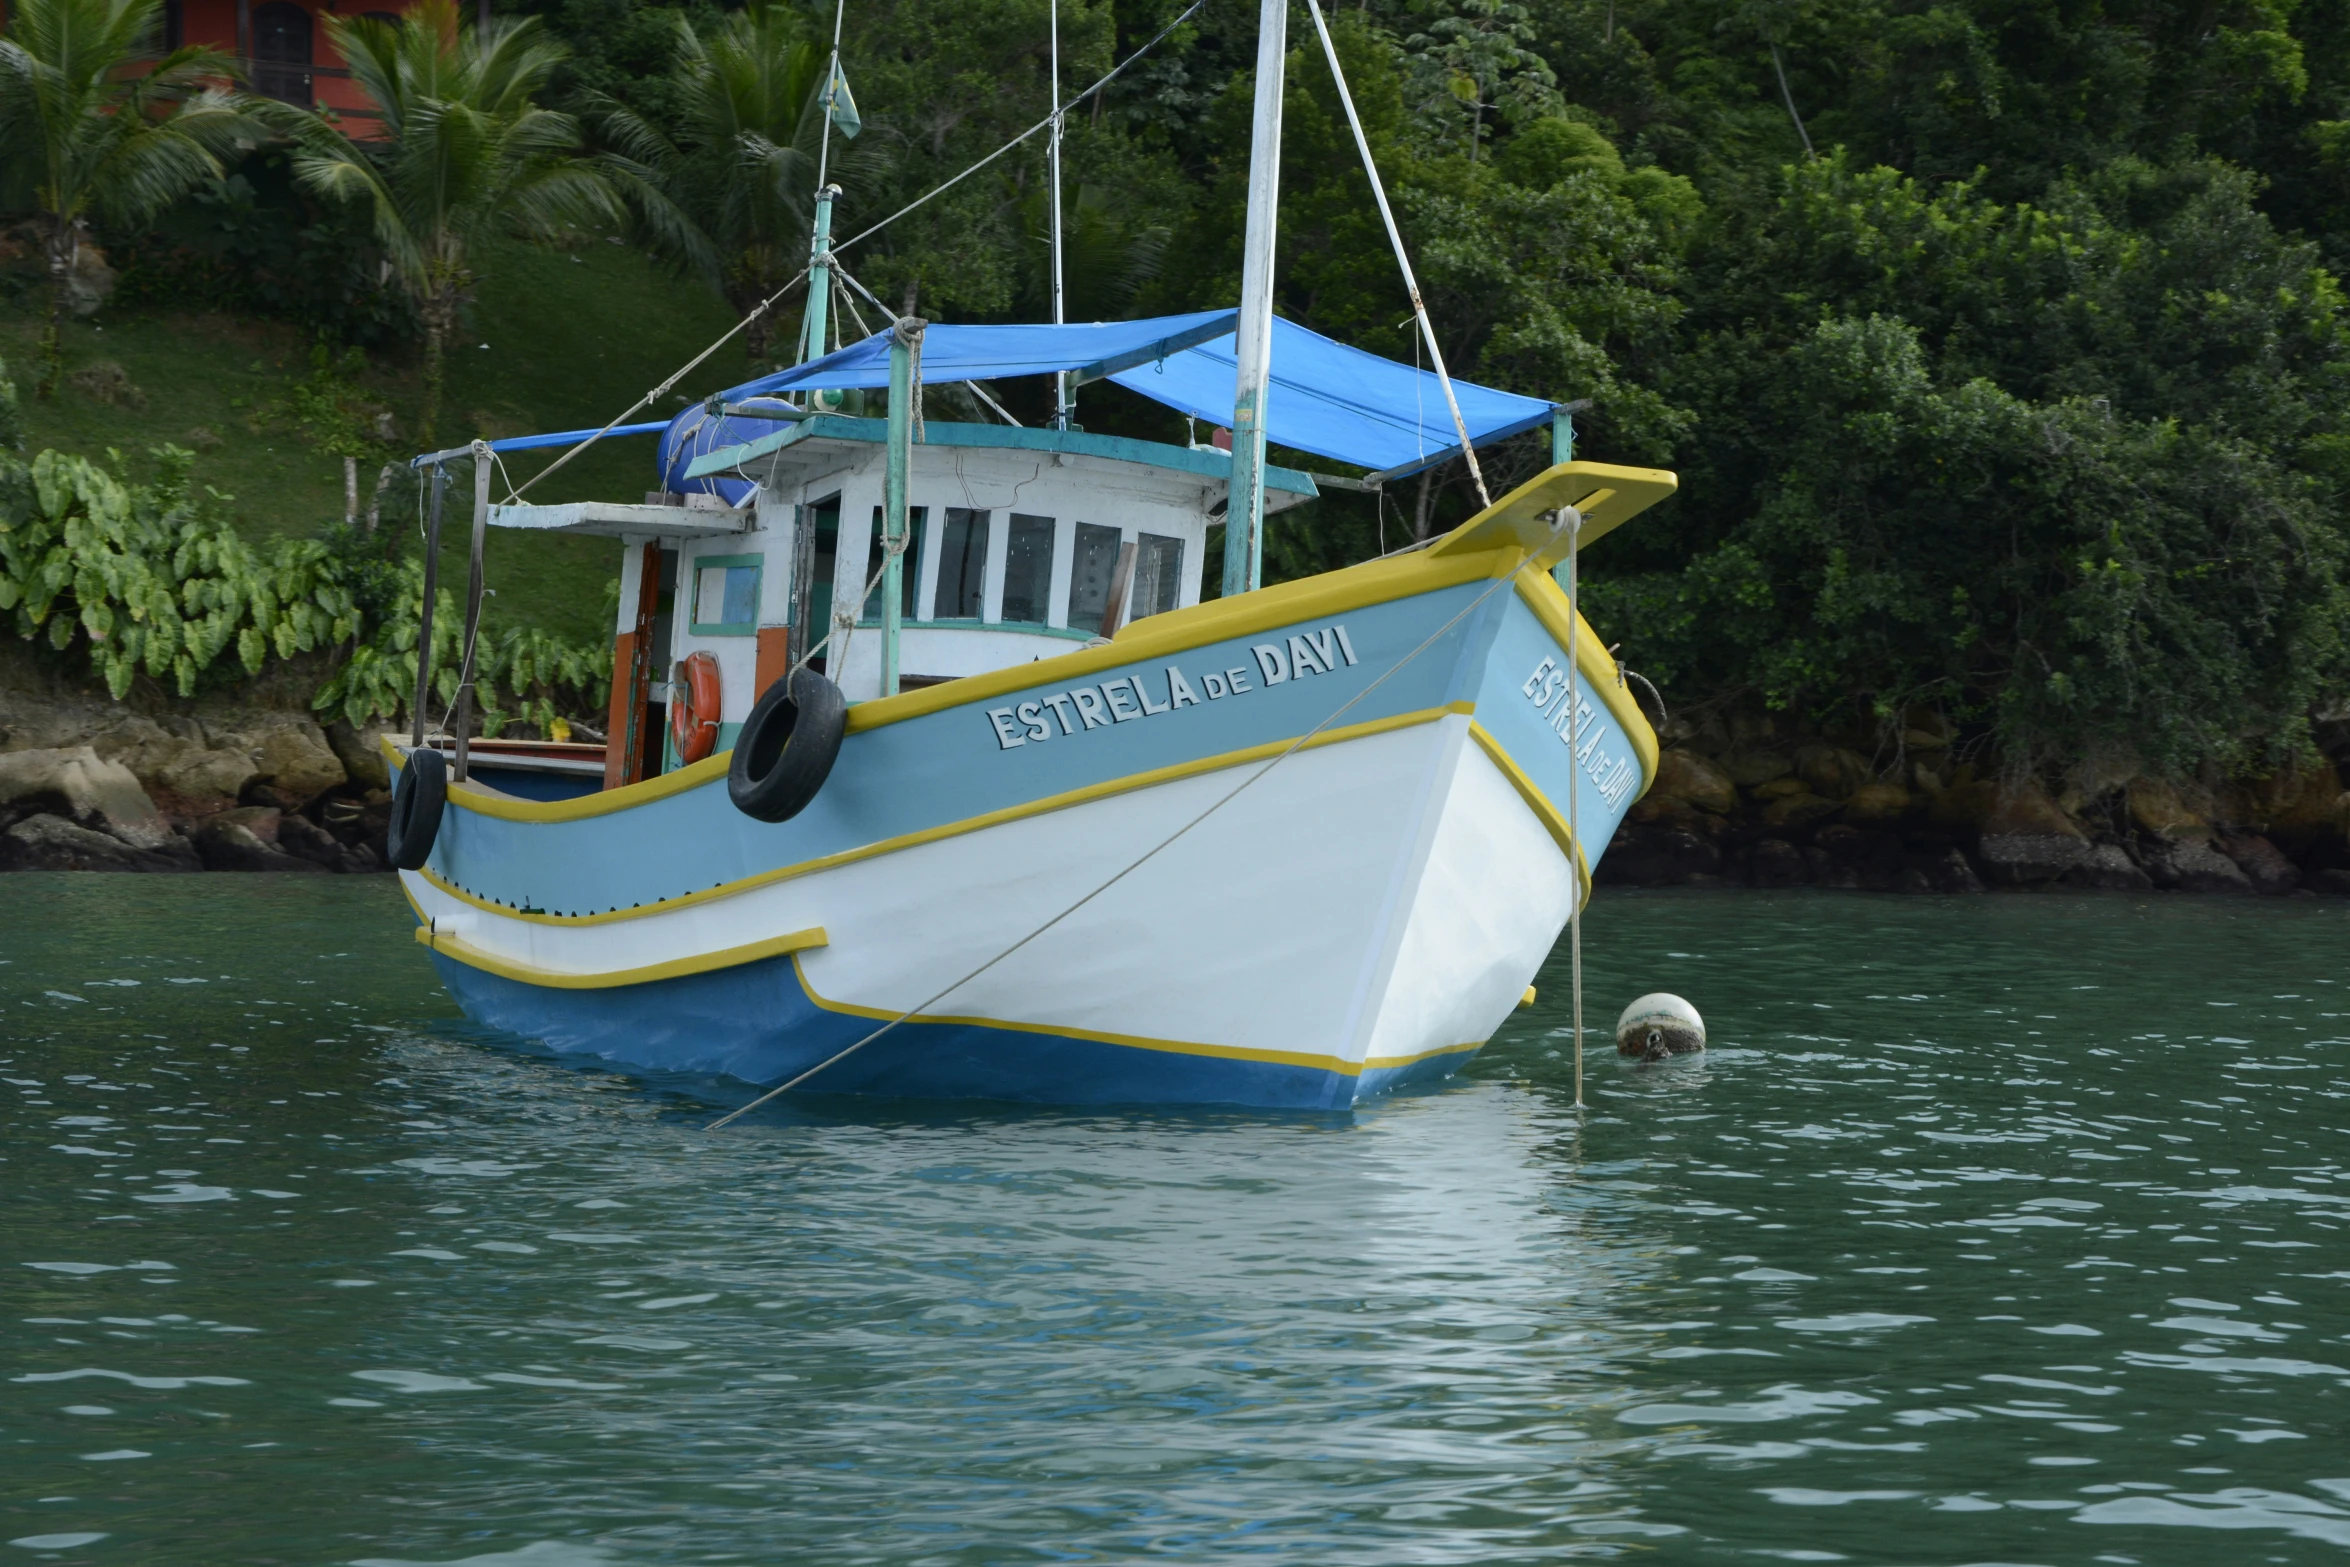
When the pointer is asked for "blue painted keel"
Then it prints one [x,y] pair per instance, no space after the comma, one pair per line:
[697,1025]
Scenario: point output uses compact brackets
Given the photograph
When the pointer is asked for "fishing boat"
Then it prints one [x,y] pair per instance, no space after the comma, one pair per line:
[930,772]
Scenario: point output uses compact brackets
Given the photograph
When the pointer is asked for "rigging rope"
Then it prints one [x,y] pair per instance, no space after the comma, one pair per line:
[1395,237]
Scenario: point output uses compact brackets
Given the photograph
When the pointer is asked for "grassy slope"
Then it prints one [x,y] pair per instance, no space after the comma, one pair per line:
[574,338]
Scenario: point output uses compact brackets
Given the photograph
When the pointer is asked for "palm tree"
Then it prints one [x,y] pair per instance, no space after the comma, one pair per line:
[466,153]
[731,191]
[93,125]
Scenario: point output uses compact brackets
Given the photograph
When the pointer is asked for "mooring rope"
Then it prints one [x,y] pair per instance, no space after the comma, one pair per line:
[1558,521]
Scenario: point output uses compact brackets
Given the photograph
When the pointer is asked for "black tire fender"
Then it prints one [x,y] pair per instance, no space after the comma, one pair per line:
[417,800]
[787,747]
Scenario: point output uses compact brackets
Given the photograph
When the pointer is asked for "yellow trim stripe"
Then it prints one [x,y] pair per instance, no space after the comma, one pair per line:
[1529,791]
[969,824]
[1154,636]
[449,945]
[1319,1063]
[1548,601]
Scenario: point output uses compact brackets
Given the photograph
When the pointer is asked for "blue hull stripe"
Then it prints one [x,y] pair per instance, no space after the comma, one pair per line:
[758,1023]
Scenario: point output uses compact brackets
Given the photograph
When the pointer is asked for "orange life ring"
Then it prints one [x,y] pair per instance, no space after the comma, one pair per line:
[693,708]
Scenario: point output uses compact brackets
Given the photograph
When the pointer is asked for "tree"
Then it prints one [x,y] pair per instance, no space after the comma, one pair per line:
[729,189]
[466,154]
[86,132]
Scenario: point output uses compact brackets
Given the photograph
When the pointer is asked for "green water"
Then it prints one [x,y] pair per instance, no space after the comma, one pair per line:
[1994,1230]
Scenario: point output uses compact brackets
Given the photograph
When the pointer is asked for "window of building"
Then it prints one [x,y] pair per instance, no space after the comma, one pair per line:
[962,565]
[726,596]
[1028,569]
[281,52]
[1158,575]
[1090,574]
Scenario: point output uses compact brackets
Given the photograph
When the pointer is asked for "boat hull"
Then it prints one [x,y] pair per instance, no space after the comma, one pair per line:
[1180,903]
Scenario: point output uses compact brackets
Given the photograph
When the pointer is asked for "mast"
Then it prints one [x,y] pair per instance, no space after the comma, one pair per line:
[1063,398]
[1244,515]
[814,325]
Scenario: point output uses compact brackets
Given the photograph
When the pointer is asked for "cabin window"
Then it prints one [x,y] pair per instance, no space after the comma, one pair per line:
[909,566]
[1089,576]
[1028,570]
[1158,575]
[726,596]
[962,564]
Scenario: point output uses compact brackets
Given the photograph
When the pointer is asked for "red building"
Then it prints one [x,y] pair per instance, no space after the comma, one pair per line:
[284,48]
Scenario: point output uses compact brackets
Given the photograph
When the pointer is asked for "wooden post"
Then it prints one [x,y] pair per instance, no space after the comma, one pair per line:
[904,337]
[1562,435]
[632,677]
[244,33]
[481,528]
[1244,515]
[432,584]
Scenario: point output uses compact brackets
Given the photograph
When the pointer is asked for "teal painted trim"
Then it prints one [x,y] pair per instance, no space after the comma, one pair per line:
[725,628]
[1213,465]
[1562,437]
[1026,628]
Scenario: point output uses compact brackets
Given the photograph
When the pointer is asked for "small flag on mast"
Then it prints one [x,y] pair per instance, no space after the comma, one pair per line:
[841,106]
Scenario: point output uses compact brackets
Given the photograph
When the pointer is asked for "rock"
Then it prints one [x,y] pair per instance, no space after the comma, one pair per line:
[201,438]
[1857,858]
[1748,768]
[1680,775]
[2297,809]
[1961,805]
[88,283]
[294,756]
[1779,788]
[2193,866]
[1952,873]
[1797,810]
[1657,857]
[97,791]
[51,843]
[2334,883]
[361,753]
[2108,866]
[245,839]
[305,839]
[208,776]
[1655,810]
[1875,804]
[109,383]
[1831,770]
[1774,862]
[2262,862]
[2160,813]
[2027,840]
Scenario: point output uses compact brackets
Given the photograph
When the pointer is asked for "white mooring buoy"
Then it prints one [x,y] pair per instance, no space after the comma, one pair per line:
[1659,1025]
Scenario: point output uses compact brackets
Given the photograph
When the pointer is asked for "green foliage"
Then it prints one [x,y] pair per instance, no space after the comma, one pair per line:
[84,136]
[466,153]
[153,577]
[327,409]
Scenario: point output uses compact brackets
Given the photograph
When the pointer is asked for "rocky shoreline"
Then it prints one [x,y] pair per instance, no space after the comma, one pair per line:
[251,781]
[1739,809]
[246,784]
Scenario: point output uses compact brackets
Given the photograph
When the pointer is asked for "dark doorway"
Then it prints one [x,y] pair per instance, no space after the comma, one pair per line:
[281,52]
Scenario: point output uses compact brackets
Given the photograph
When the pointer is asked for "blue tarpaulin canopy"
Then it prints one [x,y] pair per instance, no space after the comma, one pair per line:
[1326,398]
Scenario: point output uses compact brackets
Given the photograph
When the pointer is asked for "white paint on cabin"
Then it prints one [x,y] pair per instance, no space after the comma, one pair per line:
[1084,498]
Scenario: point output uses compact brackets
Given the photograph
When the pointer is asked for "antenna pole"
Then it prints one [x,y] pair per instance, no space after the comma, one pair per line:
[1062,391]
[1244,513]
